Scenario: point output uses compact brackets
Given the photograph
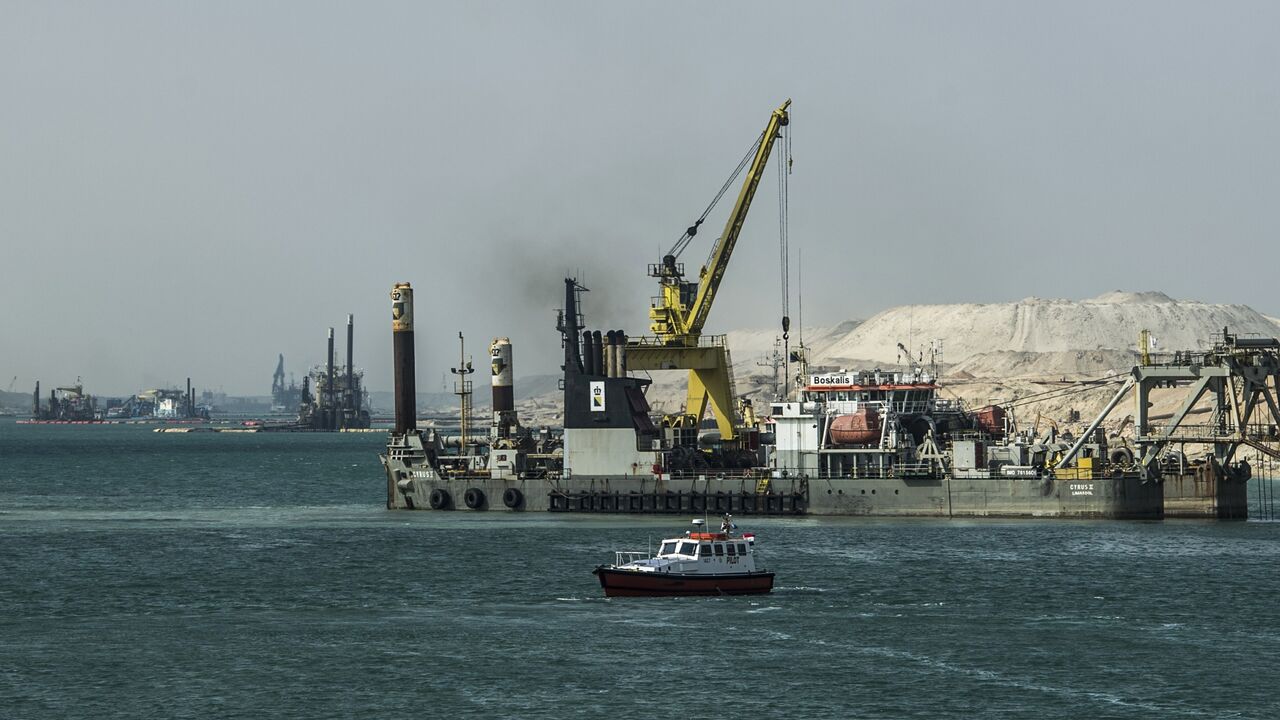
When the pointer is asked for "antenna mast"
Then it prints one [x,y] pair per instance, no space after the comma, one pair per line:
[462,388]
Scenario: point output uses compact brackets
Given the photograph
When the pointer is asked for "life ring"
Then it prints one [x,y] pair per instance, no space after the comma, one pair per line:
[438,499]
[474,498]
[512,498]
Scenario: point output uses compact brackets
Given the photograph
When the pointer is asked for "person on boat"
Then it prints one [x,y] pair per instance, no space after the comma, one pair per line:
[727,524]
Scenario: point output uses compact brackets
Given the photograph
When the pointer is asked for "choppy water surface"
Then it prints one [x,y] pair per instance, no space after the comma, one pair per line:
[200,575]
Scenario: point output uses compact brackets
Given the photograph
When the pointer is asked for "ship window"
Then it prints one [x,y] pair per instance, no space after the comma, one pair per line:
[732,549]
[668,548]
[688,548]
[705,550]
[742,548]
[719,548]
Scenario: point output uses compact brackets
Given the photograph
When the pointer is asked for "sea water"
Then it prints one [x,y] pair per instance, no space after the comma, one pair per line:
[259,575]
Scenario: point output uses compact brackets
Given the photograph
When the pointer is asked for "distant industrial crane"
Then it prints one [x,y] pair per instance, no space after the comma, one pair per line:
[677,316]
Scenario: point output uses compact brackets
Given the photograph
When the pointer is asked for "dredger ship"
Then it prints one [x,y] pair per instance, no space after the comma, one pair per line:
[863,442]
[871,442]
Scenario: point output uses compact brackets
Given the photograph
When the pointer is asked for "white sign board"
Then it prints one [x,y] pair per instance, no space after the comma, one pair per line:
[830,379]
[597,396]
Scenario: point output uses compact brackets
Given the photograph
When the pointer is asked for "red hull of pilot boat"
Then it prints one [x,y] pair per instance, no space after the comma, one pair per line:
[630,583]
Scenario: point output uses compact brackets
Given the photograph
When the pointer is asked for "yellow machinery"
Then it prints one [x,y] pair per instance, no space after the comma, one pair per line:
[678,314]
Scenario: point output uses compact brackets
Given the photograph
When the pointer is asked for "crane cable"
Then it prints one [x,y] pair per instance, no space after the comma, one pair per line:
[692,230]
[784,240]
[1056,393]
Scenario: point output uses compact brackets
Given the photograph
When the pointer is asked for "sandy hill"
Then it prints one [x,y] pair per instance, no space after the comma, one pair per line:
[1110,321]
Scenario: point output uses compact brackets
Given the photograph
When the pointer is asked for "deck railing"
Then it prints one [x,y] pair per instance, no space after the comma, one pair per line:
[622,557]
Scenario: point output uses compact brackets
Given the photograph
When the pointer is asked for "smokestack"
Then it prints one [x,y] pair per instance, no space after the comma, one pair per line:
[609,346]
[402,346]
[351,388]
[597,355]
[620,355]
[588,355]
[331,416]
[504,401]
[569,329]
[500,362]
[190,406]
[35,402]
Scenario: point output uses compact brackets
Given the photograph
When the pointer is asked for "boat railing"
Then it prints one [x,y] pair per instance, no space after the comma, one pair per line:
[622,557]
[715,474]
[899,470]
[654,341]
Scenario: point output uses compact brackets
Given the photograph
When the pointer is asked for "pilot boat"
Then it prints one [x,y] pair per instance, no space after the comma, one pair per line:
[699,563]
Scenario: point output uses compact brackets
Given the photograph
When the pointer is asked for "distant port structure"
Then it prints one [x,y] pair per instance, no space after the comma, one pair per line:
[332,396]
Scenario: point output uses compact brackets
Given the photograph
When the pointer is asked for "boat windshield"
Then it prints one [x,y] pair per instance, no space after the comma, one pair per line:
[668,548]
[688,548]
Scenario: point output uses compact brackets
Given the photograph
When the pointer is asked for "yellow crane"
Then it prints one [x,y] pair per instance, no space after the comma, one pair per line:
[679,313]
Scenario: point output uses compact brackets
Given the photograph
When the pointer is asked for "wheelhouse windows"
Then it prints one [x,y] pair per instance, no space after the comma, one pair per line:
[688,548]
[719,549]
[668,548]
[731,550]
[704,550]
[742,548]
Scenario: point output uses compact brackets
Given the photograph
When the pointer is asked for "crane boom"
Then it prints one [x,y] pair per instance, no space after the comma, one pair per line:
[677,316]
[710,277]
[680,312]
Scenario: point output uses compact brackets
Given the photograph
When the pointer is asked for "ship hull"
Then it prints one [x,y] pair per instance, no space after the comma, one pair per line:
[631,583]
[1119,498]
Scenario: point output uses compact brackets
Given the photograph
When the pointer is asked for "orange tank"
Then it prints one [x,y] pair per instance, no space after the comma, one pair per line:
[990,420]
[860,428]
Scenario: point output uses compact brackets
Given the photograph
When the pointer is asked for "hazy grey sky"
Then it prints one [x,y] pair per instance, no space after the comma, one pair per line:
[191,188]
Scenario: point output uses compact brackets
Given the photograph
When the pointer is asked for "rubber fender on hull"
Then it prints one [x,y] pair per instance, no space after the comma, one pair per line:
[439,499]
[512,498]
[474,498]
[722,502]
[698,502]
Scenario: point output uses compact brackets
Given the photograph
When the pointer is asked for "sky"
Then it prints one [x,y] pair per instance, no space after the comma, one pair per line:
[188,189]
